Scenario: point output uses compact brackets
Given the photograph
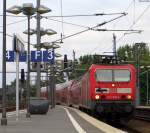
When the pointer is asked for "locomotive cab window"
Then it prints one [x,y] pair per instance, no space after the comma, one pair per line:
[112,75]
[103,75]
[122,75]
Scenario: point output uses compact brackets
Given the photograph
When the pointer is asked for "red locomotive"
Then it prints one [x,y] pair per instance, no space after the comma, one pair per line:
[108,90]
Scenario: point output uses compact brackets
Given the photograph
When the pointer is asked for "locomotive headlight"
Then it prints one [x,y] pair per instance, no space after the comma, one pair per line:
[113,85]
[128,97]
[97,97]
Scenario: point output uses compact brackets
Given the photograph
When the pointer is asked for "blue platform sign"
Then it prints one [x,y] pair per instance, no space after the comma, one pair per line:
[48,56]
[10,56]
[22,57]
[36,56]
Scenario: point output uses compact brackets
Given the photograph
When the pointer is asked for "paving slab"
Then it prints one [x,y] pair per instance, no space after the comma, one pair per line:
[59,120]
[56,121]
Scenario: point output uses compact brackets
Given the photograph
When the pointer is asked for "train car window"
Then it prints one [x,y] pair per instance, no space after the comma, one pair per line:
[122,75]
[103,75]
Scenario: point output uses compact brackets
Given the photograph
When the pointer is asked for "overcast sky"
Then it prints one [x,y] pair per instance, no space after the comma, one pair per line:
[90,42]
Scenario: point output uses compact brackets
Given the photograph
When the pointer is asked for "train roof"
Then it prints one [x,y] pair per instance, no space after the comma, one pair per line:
[63,85]
[94,66]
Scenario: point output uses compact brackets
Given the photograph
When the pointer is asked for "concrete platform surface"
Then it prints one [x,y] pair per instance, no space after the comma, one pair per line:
[58,120]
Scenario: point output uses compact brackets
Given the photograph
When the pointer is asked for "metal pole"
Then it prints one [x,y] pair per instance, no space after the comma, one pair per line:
[47,82]
[147,89]
[52,83]
[17,86]
[74,54]
[38,48]
[114,48]
[51,89]
[28,70]
[138,76]
[4,119]
[52,86]
[54,92]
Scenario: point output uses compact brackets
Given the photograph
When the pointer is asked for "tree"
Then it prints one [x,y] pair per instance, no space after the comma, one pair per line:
[129,54]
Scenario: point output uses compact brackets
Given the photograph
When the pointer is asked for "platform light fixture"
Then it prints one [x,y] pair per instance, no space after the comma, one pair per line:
[42,32]
[28,9]
[57,55]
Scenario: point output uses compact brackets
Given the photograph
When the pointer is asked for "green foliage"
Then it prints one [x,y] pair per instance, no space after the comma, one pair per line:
[129,54]
[88,60]
[84,63]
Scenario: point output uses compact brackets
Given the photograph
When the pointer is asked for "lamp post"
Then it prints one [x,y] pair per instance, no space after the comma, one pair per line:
[54,82]
[45,45]
[38,79]
[28,10]
[51,83]
[28,70]
[4,119]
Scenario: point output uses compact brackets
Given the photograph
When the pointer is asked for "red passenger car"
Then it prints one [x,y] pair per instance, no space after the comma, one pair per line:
[62,92]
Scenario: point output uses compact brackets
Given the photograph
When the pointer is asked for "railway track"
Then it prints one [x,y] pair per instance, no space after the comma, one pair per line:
[140,123]
[142,114]
[12,108]
[141,120]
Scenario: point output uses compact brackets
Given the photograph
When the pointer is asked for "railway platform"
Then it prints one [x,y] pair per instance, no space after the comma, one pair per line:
[58,120]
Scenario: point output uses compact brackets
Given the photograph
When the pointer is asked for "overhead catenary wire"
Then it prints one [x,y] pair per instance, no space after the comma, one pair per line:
[111,30]
[105,22]
[97,14]
[130,4]
[82,26]
[88,28]
[134,20]
[13,36]
[7,34]
[18,16]
[15,22]
[126,9]
[19,21]
[87,15]
[117,30]
[76,15]
[138,18]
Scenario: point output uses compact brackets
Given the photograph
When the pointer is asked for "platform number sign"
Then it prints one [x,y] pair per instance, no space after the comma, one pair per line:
[36,56]
[48,56]
[10,56]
